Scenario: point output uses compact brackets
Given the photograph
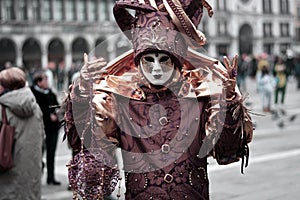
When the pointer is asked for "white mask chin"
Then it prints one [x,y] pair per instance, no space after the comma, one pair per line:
[157,68]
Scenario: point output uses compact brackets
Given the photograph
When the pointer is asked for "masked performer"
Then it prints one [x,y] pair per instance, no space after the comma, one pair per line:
[164,105]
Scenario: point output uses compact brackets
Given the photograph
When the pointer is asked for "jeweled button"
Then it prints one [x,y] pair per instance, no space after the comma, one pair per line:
[163,121]
[168,178]
[165,148]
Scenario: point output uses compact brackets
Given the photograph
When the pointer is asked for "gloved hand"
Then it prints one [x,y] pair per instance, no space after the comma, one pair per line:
[103,103]
[228,77]
[230,83]
[91,72]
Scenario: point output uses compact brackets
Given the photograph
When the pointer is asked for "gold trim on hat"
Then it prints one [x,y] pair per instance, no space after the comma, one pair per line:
[182,21]
[142,2]
[208,8]
[153,4]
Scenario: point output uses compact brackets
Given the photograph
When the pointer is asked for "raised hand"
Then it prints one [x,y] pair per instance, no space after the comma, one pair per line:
[230,83]
[228,77]
[91,71]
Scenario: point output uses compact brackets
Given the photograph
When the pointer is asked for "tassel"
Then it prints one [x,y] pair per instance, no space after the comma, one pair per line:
[208,8]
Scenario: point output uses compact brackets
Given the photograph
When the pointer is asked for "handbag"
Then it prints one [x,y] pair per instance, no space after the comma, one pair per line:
[92,172]
[6,143]
[91,175]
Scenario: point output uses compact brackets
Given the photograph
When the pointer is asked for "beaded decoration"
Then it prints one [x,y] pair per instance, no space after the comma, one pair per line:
[90,172]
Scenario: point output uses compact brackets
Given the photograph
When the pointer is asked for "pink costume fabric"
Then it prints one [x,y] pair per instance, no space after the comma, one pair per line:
[165,133]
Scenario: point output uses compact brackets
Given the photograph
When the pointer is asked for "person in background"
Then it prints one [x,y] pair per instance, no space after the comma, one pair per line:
[289,63]
[50,73]
[267,85]
[243,67]
[253,67]
[297,71]
[262,62]
[280,72]
[60,75]
[23,181]
[47,101]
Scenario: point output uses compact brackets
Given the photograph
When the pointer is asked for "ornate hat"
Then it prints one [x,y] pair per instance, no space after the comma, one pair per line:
[165,25]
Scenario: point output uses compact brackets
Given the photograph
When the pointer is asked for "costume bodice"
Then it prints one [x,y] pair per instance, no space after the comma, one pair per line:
[160,139]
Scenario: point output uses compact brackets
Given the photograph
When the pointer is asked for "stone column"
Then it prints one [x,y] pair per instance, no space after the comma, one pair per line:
[44,55]
[68,53]
[19,60]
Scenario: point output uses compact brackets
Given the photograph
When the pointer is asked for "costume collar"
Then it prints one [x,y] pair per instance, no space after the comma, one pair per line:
[197,74]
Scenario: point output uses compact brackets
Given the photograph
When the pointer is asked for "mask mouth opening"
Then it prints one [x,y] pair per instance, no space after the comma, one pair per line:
[157,76]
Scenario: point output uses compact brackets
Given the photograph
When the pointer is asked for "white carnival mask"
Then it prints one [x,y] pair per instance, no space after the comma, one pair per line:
[157,68]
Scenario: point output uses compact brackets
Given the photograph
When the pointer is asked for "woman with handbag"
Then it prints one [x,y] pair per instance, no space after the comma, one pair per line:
[23,180]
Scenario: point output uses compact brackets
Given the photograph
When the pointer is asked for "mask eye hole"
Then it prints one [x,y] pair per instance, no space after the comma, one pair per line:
[164,59]
[149,59]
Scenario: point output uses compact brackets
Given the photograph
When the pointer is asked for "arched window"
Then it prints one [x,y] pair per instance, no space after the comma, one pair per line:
[79,47]
[7,52]
[101,48]
[246,39]
[32,54]
[56,51]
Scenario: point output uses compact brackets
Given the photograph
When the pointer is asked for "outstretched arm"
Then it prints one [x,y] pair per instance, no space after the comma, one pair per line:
[91,132]
[85,105]
[230,124]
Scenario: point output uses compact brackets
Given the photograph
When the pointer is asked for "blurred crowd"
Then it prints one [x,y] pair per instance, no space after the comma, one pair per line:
[59,75]
[271,73]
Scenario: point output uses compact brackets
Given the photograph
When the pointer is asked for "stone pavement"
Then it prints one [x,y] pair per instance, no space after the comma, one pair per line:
[51,192]
[265,126]
[273,171]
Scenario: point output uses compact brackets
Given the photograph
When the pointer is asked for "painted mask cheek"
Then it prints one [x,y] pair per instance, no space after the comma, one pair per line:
[147,63]
[167,67]
[148,67]
[166,63]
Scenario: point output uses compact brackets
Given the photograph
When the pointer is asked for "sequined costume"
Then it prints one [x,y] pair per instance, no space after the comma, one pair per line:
[165,133]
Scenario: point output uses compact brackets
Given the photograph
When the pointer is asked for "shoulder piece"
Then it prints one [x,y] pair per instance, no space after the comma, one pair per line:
[199,71]
[125,85]
[121,64]
[122,77]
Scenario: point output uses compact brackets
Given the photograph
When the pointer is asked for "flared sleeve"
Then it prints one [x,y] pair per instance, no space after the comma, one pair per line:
[230,129]
[91,132]
[78,117]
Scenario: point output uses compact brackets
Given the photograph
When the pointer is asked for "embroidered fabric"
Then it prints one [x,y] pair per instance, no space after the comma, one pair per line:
[184,181]
[90,177]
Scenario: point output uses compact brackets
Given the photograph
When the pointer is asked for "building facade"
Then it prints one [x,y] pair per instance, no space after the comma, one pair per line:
[250,26]
[296,11]
[34,33]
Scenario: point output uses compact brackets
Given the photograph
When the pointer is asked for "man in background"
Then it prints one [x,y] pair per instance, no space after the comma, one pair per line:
[47,101]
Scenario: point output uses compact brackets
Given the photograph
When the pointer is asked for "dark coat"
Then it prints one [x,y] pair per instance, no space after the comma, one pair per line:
[46,101]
